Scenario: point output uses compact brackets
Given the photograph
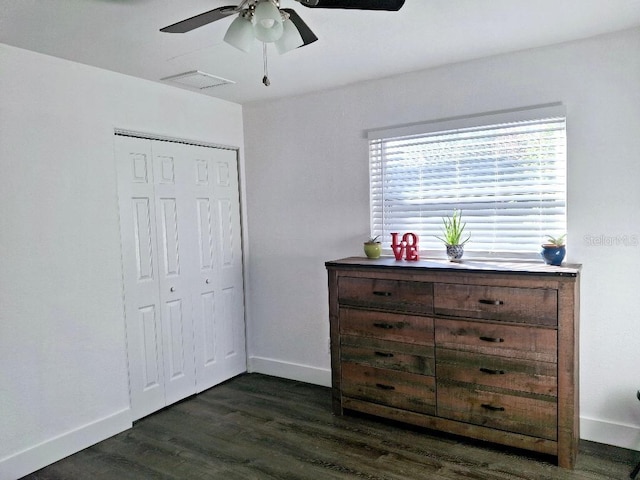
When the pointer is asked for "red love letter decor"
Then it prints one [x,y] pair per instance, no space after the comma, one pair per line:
[411,242]
[397,247]
[407,247]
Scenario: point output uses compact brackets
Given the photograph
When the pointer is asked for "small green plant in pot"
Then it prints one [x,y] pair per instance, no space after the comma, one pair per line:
[372,247]
[452,233]
[554,250]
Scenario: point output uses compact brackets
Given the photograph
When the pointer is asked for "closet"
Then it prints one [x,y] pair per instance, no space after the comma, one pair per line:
[182,268]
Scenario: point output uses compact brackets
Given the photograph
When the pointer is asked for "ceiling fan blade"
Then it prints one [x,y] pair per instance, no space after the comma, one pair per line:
[305,32]
[201,20]
[390,5]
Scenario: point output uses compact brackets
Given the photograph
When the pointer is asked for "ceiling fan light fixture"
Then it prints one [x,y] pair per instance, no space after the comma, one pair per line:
[268,35]
[267,22]
[290,39]
[240,33]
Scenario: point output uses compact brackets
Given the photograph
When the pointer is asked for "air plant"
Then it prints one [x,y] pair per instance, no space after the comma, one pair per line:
[452,230]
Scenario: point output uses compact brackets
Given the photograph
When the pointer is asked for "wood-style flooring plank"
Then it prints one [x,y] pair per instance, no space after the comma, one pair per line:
[256,427]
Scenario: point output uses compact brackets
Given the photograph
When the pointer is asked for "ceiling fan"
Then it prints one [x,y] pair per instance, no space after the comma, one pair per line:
[265,21]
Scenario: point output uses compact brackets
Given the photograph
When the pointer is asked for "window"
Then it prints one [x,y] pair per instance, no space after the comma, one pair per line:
[508,178]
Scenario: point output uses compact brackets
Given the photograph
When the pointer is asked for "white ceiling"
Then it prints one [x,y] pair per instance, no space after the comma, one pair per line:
[353,46]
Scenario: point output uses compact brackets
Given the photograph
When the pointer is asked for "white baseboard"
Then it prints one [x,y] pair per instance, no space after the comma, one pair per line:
[618,435]
[291,371]
[50,451]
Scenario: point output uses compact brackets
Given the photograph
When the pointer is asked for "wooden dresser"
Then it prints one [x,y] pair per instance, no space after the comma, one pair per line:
[488,350]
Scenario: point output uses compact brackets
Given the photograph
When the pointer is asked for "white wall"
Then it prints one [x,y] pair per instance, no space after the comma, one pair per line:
[307,188]
[63,382]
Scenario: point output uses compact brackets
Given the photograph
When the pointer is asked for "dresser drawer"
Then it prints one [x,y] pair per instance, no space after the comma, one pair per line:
[386,326]
[403,390]
[515,341]
[414,297]
[534,416]
[501,372]
[521,305]
[405,357]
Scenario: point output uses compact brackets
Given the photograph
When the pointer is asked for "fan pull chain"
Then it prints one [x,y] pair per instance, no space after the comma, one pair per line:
[265,79]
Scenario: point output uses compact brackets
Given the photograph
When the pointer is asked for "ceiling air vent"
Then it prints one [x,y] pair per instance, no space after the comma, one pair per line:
[197,79]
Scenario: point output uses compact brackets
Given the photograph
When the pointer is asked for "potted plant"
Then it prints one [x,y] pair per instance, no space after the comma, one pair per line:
[372,247]
[554,250]
[452,231]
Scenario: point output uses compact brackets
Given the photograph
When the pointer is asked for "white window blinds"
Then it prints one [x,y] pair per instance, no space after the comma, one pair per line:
[508,180]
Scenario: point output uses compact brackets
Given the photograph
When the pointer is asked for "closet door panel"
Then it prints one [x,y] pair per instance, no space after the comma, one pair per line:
[175,235]
[230,337]
[205,234]
[207,282]
[142,228]
[230,254]
[170,239]
[143,324]
[149,340]
[208,322]
[220,350]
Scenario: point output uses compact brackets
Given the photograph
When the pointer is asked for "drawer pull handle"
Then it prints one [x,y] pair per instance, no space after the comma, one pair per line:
[384,354]
[492,339]
[381,294]
[487,406]
[491,371]
[386,326]
[382,386]
[490,302]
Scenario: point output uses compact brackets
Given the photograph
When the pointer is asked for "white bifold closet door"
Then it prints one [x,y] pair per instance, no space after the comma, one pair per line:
[182,267]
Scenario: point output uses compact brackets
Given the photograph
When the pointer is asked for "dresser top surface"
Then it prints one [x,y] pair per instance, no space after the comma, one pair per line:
[514,267]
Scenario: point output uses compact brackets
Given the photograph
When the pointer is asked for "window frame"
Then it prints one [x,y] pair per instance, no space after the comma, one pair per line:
[471,122]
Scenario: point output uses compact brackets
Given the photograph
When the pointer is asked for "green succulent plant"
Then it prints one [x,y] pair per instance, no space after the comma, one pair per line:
[555,241]
[373,239]
[453,229]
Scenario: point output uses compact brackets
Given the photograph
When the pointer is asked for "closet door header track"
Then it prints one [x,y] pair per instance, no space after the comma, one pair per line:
[163,138]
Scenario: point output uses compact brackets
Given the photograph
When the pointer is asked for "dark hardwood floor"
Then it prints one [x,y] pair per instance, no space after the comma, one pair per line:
[260,427]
